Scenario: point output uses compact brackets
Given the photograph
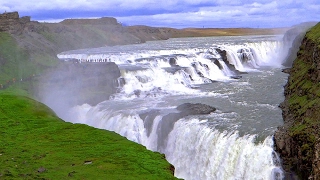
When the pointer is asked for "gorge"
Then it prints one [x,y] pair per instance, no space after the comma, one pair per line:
[209,71]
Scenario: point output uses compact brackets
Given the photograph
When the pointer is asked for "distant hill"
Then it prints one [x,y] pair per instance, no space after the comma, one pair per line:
[35,45]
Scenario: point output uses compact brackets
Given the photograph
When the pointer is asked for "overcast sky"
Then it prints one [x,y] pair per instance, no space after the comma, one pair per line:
[174,13]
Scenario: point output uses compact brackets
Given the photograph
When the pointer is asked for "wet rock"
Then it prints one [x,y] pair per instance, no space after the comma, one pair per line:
[216,62]
[235,77]
[172,62]
[174,69]
[195,109]
[148,118]
[286,70]
[200,74]
[186,109]
[41,170]
[137,92]
[224,57]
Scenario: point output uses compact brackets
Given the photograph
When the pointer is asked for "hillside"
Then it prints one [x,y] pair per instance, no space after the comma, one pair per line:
[36,144]
[298,141]
[204,32]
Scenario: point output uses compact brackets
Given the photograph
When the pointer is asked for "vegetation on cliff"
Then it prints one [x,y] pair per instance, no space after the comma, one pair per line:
[36,144]
[298,141]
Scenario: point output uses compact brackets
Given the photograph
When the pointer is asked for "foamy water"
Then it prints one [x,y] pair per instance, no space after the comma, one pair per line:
[235,142]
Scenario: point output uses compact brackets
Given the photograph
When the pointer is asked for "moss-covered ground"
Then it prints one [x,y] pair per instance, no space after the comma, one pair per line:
[36,144]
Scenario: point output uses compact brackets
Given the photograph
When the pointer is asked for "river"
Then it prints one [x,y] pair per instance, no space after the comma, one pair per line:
[240,76]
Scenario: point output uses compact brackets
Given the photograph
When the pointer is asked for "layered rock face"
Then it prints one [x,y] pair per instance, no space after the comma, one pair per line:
[298,140]
[11,22]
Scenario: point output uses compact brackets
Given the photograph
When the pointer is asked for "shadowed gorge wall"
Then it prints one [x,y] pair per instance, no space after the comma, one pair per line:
[298,141]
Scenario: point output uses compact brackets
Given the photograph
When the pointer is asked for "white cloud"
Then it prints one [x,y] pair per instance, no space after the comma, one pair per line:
[186,12]
[111,4]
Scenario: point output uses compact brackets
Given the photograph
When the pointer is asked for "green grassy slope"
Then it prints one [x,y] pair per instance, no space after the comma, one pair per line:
[36,144]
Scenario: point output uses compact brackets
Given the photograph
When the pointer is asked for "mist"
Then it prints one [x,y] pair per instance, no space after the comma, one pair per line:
[292,40]
[73,83]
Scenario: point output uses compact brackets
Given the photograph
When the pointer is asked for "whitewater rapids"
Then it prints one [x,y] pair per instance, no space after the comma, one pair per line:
[240,76]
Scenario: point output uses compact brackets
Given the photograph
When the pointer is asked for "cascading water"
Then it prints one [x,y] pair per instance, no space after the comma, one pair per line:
[240,76]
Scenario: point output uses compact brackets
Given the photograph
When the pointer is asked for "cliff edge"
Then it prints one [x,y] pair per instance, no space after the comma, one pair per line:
[298,140]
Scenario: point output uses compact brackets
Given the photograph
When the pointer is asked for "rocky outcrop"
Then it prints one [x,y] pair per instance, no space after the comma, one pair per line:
[168,120]
[11,22]
[297,141]
[224,57]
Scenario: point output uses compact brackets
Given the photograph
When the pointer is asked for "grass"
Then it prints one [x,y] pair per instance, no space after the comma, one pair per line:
[33,139]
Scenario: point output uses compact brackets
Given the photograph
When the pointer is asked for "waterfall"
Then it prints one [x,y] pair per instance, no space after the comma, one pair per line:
[184,69]
[197,150]
[201,152]
[157,79]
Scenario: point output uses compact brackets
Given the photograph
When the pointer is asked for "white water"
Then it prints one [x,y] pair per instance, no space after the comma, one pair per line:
[235,142]
[196,150]
[200,152]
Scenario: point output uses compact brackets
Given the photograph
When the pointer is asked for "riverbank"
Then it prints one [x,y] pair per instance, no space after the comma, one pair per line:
[36,144]
[298,141]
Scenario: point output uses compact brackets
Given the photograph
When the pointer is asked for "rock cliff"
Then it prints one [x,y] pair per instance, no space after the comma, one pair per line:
[298,140]
[70,34]
[11,22]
